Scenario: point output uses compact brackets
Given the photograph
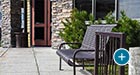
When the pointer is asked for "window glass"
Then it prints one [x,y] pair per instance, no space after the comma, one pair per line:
[39,33]
[84,5]
[131,8]
[39,11]
[103,7]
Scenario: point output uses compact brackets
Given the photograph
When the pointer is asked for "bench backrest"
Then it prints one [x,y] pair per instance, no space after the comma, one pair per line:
[90,35]
[106,44]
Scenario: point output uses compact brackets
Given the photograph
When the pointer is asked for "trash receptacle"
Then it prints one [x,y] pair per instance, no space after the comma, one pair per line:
[21,39]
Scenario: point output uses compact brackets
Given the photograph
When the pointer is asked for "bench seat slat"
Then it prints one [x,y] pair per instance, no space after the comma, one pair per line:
[67,55]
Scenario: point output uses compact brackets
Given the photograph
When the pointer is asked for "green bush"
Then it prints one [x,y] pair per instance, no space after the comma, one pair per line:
[110,19]
[131,28]
[75,27]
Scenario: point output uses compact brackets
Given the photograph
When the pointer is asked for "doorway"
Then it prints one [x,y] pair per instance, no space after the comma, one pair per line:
[41,23]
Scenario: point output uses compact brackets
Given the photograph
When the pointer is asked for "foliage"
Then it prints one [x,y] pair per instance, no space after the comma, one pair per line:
[110,19]
[75,27]
[131,28]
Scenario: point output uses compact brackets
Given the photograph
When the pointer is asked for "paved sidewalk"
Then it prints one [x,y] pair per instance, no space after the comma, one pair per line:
[34,61]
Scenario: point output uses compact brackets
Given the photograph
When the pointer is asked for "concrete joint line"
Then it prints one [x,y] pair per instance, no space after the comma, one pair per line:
[37,65]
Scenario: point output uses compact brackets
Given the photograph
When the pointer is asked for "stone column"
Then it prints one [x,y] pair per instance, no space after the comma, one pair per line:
[134,63]
[11,21]
[61,9]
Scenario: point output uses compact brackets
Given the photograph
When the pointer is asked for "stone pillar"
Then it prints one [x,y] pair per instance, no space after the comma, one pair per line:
[11,21]
[134,63]
[61,9]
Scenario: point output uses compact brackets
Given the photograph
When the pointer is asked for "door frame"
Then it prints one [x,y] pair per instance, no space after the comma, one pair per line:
[47,27]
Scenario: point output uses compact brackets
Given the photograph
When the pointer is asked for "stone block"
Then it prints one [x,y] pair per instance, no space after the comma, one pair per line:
[134,64]
[10,20]
[61,9]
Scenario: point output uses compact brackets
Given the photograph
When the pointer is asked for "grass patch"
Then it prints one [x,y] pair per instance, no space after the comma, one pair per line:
[91,70]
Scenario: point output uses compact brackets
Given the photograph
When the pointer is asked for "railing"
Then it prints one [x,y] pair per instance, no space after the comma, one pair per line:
[106,44]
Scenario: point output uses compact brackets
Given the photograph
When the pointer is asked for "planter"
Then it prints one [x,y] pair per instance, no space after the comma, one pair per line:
[134,63]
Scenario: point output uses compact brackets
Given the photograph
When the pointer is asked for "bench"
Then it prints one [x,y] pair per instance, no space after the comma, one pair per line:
[106,44]
[87,49]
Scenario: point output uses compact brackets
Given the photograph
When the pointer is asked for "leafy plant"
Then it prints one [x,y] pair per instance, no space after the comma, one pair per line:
[110,19]
[75,27]
[131,28]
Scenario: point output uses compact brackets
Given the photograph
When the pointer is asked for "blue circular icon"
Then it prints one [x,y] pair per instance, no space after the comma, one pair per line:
[121,56]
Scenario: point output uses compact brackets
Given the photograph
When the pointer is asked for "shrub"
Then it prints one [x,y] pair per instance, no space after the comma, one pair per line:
[75,27]
[131,28]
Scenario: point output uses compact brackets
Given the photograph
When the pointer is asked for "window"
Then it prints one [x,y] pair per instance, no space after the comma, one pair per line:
[39,11]
[84,5]
[103,7]
[39,33]
[131,8]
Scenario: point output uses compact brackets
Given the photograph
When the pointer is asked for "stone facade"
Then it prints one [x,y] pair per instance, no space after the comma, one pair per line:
[61,9]
[134,63]
[11,21]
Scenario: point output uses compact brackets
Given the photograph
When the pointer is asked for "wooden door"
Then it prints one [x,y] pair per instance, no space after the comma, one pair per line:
[41,23]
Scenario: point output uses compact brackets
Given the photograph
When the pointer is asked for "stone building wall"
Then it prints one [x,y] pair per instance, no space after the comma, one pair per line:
[134,63]
[11,21]
[61,9]
[6,25]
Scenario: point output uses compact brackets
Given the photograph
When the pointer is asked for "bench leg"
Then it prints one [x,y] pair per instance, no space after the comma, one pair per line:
[74,68]
[60,62]
[83,64]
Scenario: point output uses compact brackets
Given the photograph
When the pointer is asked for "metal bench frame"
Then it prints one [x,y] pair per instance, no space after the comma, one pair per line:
[106,44]
[87,49]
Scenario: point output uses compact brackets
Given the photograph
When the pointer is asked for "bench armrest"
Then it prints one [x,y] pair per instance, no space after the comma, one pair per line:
[65,44]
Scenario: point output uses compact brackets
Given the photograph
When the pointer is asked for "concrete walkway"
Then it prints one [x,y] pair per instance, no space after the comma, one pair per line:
[34,61]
